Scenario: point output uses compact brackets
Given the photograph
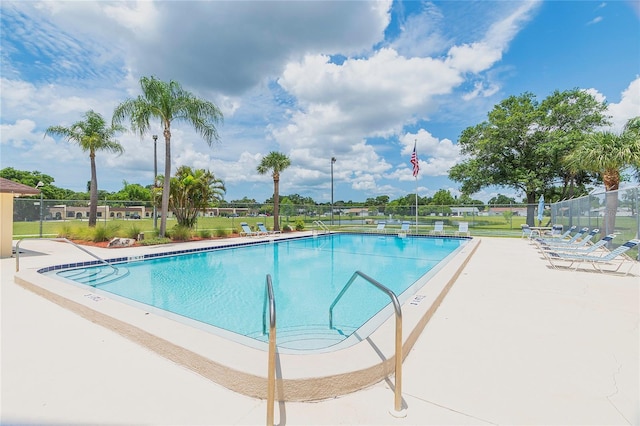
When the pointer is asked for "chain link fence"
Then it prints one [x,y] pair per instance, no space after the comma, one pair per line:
[613,212]
[495,220]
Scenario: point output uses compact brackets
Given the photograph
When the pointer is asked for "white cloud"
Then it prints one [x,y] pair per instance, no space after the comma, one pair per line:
[481,90]
[16,134]
[595,20]
[423,34]
[436,156]
[628,107]
[479,56]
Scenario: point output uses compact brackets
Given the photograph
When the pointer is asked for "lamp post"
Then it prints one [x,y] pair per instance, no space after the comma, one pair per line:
[155,179]
[40,185]
[333,160]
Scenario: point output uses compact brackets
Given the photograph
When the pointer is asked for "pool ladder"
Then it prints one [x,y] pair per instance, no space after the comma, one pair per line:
[270,303]
[397,406]
[320,224]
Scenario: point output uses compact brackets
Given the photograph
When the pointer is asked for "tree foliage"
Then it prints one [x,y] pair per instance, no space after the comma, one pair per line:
[192,191]
[133,192]
[501,199]
[91,134]
[443,197]
[168,102]
[607,154]
[522,143]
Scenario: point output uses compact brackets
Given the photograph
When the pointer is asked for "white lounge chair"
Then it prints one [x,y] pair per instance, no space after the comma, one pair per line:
[404,228]
[575,239]
[557,238]
[247,232]
[463,228]
[438,228]
[527,232]
[581,249]
[556,230]
[611,258]
[381,226]
[264,229]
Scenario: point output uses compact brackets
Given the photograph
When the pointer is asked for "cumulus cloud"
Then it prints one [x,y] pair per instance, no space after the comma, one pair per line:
[479,56]
[16,134]
[628,107]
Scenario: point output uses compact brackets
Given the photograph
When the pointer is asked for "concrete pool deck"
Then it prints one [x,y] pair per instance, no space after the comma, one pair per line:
[514,342]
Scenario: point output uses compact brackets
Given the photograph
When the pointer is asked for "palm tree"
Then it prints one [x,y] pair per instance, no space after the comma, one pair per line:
[168,102]
[193,191]
[91,135]
[632,131]
[274,162]
[608,154]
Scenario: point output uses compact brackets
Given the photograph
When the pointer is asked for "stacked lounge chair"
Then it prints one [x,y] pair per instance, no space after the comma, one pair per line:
[559,238]
[610,258]
[580,239]
[579,249]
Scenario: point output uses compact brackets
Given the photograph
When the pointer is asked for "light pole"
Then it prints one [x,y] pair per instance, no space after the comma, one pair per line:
[40,185]
[155,179]
[333,160]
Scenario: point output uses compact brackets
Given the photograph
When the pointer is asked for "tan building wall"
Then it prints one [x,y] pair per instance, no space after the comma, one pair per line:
[6,224]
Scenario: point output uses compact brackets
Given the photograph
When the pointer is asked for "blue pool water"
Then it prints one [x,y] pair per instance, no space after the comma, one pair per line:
[225,288]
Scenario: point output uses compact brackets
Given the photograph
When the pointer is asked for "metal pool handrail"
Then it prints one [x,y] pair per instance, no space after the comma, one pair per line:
[398,311]
[271,372]
[59,239]
[321,225]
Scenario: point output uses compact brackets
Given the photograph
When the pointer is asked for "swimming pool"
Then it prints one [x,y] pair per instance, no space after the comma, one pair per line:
[225,288]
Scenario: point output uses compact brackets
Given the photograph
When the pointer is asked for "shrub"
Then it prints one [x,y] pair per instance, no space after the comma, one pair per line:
[66,231]
[299,225]
[75,232]
[103,233]
[287,228]
[180,233]
[154,241]
[151,234]
[132,232]
[221,232]
[204,233]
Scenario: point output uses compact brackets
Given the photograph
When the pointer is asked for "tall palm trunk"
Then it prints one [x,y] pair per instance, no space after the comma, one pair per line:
[276,201]
[167,178]
[611,180]
[93,191]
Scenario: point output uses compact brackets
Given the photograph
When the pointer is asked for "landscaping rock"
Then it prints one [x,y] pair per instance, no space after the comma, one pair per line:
[121,242]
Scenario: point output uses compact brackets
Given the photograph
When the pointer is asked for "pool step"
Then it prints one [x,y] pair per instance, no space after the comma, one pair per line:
[95,276]
[307,337]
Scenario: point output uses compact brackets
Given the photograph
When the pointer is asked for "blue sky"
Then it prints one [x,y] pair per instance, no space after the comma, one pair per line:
[356,80]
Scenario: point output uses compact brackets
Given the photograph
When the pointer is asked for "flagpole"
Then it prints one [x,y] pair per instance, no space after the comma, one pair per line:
[416,168]
[416,204]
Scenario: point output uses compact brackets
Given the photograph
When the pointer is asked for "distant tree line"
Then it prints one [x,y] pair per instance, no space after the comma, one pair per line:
[144,194]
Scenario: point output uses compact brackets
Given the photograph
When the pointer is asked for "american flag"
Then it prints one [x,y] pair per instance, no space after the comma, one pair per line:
[414,161]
